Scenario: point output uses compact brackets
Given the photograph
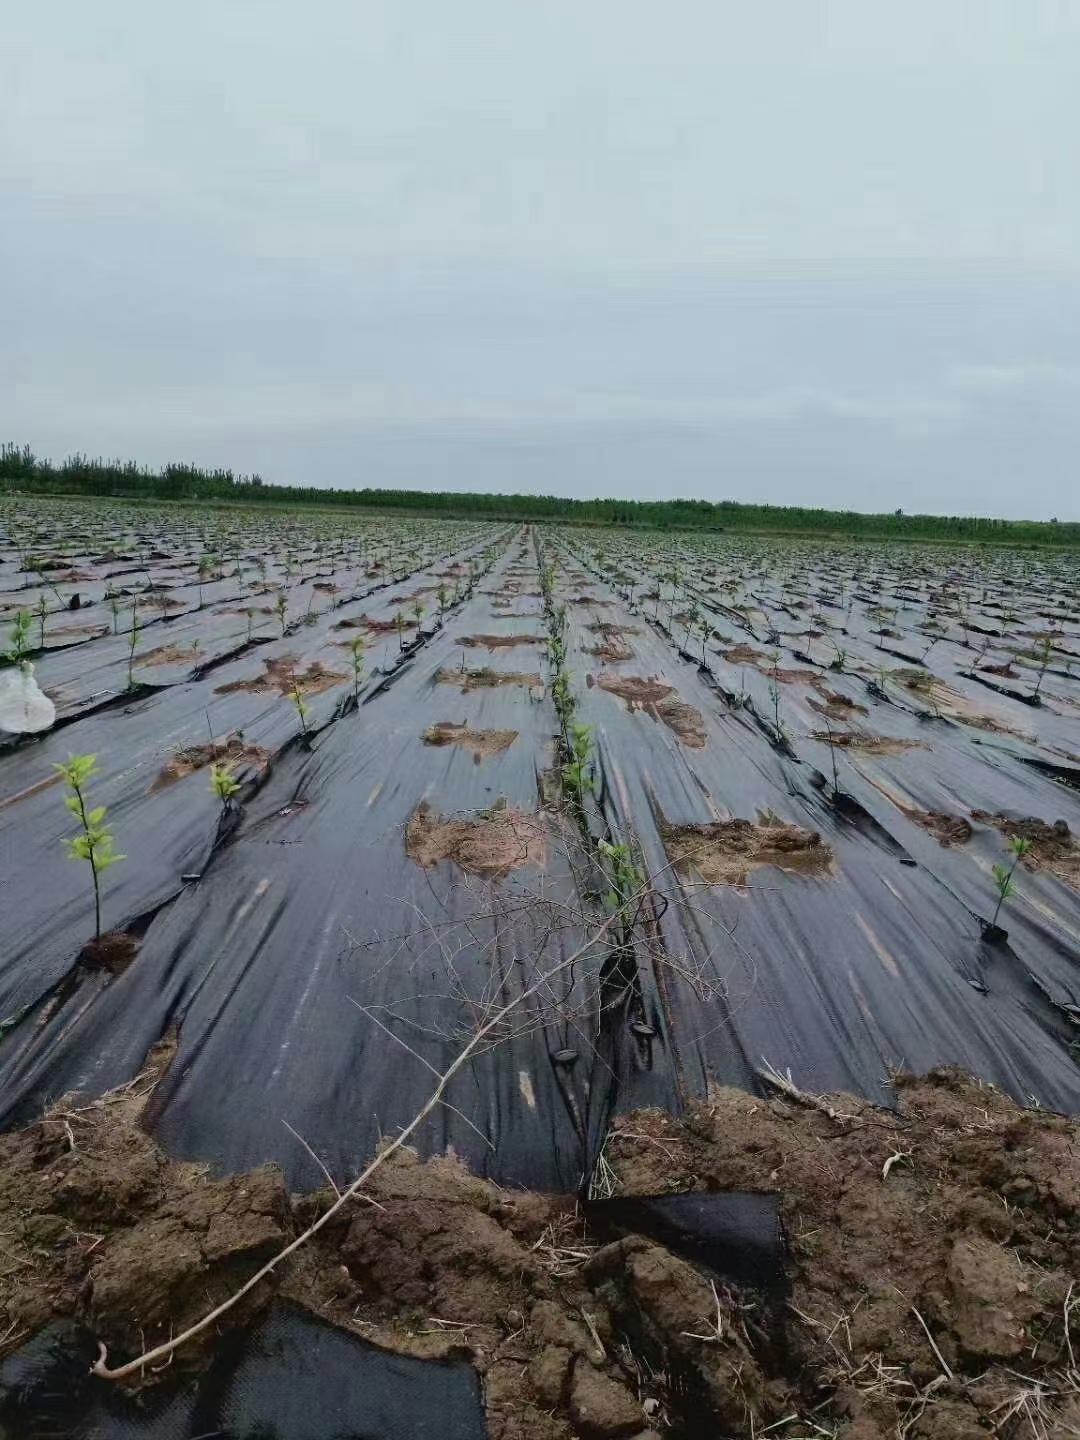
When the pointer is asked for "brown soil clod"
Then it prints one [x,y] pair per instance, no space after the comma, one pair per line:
[868,744]
[945,1235]
[1054,848]
[499,642]
[946,829]
[486,677]
[726,851]
[112,951]
[902,1260]
[168,655]
[280,676]
[482,743]
[654,697]
[832,703]
[490,844]
[231,751]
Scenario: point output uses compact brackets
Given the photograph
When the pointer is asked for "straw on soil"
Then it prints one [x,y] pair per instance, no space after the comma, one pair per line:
[482,743]
[485,677]
[1054,847]
[505,839]
[868,744]
[946,829]
[726,851]
[232,751]
[654,697]
[499,642]
[280,676]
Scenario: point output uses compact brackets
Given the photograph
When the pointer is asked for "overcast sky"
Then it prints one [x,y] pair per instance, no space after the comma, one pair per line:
[785,250]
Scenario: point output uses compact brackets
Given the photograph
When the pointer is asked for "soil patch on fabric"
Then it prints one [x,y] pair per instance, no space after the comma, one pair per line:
[726,851]
[481,743]
[232,752]
[486,677]
[868,744]
[168,655]
[281,674]
[499,642]
[1053,847]
[946,829]
[492,844]
[653,697]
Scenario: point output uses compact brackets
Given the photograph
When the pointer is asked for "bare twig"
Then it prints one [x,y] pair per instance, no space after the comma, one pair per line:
[161,1352]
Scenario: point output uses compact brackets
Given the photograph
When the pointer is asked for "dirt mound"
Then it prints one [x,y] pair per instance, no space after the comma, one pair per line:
[482,743]
[946,829]
[376,627]
[495,843]
[868,744]
[1053,847]
[832,703]
[654,698]
[168,655]
[233,752]
[952,1224]
[744,655]
[479,679]
[638,692]
[725,852]
[281,674]
[99,1225]
[931,1256]
[499,642]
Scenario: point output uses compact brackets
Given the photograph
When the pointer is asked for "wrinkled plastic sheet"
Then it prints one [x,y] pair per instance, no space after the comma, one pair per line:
[292,1378]
[311,925]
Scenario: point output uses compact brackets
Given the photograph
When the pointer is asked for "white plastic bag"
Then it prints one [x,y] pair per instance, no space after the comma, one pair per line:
[24,706]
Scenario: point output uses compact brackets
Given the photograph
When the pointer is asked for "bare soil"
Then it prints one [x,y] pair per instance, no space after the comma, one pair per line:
[479,679]
[167,655]
[493,844]
[725,852]
[832,703]
[946,829]
[232,751]
[868,744]
[1053,847]
[659,700]
[279,676]
[482,743]
[931,1256]
[499,642]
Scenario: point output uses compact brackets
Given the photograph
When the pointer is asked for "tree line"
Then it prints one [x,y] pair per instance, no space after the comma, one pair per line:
[22,471]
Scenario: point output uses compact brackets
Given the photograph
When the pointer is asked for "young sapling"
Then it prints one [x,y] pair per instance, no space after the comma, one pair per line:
[94,843]
[222,784]
[1003,874]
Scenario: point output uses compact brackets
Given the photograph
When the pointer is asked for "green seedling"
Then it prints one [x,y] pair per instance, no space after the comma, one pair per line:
[94,843]
[1003,874]
[400,623]
[281,608]
[577,779]
[303,711]
[441,597]
[222,784]
[136,626]
[114,607]
[356,656]
[418,613]
[626,878]
[250,613]
[1043,648]
[19,634]
[42,613]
